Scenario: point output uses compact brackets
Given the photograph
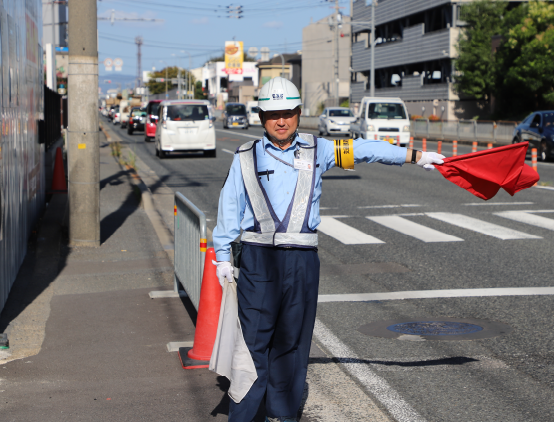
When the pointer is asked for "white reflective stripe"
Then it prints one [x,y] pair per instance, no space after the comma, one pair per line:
[480,226]
[302,193]
[300,239]
[410,228]
[257,199]
[263,238]
[345,233]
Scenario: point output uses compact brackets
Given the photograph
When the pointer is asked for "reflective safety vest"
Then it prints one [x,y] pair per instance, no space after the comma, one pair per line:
[293,230]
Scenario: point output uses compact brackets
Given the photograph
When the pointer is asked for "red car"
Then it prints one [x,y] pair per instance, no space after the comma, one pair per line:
[152,119]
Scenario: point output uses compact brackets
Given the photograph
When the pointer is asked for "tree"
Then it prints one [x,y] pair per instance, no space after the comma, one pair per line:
[198,93]
[172,72]
[525,61]
[476,62]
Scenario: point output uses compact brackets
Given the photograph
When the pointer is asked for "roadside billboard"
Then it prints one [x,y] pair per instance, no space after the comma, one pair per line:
[234,54]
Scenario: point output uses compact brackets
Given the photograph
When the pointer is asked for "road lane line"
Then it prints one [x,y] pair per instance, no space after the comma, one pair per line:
[529,218]
[392,206]
[399,409]
[407,227]
[437,294]
[544,187]
[345,233]
[498,203]
[239,134]
[480,226]
[227,151]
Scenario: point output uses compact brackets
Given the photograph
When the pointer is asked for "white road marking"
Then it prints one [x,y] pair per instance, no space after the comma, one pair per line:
[480,226]
[227,151]
[435,294]
[392,206]
[498,203]
[544,187]
[407,227]
[528,217]
[344,233]
[238,134]
[328,208]
[398,408]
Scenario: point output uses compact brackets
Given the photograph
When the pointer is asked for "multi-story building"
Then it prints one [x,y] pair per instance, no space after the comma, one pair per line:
[318,64]
[414,55]
[215,81]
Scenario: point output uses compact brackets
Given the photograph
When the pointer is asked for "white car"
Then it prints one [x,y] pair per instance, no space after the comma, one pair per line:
[185,125]
[335,120]
[382,119]
[252,113]
[116,116]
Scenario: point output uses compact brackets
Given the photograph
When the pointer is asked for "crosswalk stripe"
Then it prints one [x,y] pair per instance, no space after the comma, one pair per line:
[416,230]
[344,233]
[480,226]
[528,218]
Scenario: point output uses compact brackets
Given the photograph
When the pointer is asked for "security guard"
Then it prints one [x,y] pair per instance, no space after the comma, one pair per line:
[272,193]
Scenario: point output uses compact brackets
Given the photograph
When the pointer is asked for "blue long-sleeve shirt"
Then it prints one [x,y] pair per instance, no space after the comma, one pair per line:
[235,211]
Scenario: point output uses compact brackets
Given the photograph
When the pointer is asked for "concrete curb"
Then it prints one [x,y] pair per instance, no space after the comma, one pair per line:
[162,231]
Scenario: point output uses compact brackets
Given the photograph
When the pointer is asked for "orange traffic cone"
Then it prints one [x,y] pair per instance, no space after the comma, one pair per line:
[59,185]
[206,322]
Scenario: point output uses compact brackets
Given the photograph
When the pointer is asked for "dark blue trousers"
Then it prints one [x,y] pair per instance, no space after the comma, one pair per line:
[277,297]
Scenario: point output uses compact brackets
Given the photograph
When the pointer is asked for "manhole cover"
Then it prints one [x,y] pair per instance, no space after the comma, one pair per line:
[435,329]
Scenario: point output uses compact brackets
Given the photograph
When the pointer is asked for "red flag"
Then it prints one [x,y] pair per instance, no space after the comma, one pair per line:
[483,173]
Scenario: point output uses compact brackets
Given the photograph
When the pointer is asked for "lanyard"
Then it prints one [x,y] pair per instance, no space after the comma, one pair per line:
[283,161]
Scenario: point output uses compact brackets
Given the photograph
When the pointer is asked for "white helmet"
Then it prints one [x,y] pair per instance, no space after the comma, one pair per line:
[279,94]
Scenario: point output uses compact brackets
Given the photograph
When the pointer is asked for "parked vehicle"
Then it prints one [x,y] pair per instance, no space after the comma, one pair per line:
[538,130]
[137,120]
[252,113]
[335,120]
[185,125]
[235,116]
[152,112]
[382,119]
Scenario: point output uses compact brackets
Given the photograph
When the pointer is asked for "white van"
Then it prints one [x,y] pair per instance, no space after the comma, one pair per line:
[384,119]
[252,113]
[185,125]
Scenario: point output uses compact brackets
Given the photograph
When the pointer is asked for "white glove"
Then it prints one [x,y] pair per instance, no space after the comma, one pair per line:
[428,159]
[224,271]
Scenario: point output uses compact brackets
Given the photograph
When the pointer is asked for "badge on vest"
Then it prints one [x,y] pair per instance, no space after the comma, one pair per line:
[303,165]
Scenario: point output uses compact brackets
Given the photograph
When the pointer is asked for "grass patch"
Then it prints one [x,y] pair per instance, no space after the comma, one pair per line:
[545,183]
[116,149]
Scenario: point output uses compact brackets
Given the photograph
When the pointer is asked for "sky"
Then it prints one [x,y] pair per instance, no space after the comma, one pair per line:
[198,27]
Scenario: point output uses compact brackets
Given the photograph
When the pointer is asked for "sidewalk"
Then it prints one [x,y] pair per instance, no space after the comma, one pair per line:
[86,341]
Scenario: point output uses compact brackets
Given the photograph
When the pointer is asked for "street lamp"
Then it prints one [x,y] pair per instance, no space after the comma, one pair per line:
[166,95]
[189,77]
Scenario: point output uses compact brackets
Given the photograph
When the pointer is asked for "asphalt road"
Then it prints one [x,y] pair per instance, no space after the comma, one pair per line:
[385,213]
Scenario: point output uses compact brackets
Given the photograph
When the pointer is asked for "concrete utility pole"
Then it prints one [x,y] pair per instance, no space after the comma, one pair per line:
[372,43]
[338,18]
[83,140]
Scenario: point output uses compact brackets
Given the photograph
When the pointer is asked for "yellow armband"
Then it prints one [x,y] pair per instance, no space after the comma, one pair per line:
[344,153]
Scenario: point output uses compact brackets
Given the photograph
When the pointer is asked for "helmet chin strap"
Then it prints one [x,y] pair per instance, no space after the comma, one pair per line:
[279,142]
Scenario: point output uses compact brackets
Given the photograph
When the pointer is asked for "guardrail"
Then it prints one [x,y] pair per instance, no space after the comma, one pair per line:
[464,130]
[190,247]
